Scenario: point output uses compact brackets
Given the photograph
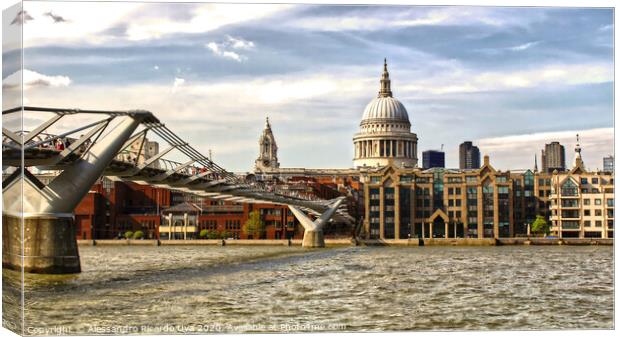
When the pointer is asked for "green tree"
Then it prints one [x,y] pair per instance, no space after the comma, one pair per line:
[540,225]
[128,234]
[203,234]
[138,235]
[213,234]
[254,225]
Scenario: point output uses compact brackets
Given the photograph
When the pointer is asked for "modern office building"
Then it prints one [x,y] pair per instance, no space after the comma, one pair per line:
[553,157]
[469,156]
[385,132]
[608,163]
[433,158]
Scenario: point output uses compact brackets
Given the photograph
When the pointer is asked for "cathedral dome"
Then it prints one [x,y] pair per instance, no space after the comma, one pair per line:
[385,108]
[385,131]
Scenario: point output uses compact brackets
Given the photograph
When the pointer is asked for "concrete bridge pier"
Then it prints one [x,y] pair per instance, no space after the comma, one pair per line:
[313,230]
[38,224]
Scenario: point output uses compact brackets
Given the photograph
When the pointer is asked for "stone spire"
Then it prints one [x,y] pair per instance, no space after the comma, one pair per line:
[385,82]
[535,163]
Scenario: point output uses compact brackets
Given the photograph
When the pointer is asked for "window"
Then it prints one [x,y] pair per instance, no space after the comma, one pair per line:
[586,202]
[502,189]
[594,180]
[450,202]
[458,214]
[500,179]
[470,179]
[584,190]
[458,202]
[450,191]
[610,202]
[375,179]
[584,181]
[587,223]
[598,212]
[597,201]
[586,212]
[599,223]
[541,182]
[458,191]
[569,188]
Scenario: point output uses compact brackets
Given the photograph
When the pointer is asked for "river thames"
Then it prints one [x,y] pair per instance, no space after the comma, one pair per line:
[168,289]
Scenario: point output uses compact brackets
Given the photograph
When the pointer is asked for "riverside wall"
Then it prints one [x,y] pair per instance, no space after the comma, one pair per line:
[353,242]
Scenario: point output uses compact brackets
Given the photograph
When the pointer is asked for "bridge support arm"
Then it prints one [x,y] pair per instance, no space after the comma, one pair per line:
[313,230]
[41,233]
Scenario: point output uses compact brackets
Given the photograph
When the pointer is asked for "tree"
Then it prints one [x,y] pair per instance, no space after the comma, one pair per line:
[540,225]
[254,226]
[128,234]
[203,234]
[138,235]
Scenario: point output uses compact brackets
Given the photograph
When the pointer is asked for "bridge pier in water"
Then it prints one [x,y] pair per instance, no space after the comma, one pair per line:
[313,230]
[38,225]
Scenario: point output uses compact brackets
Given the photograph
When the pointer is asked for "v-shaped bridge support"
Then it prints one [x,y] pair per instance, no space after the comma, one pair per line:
[313,230]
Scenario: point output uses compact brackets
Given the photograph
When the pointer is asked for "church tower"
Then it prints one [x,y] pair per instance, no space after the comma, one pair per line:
[267,160]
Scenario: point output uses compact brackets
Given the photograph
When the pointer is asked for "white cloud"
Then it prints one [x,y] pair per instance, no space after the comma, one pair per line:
[378,20]
[156,67]
[466,81]
[221,52]
[238,43]
[524,46]
[177,83]
[34,79]
[87,22]
[514,150]
[206,18]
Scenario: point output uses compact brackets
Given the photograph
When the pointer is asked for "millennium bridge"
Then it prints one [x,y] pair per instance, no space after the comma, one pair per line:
[37,218]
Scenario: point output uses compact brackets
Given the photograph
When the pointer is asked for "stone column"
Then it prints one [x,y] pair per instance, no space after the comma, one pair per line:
[446,230]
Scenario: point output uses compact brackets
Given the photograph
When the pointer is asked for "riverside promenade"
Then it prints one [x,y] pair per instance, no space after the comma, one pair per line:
[357,242]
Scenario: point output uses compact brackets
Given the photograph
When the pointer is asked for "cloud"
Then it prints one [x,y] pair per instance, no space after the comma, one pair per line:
[524,46]
[376,18]
[219,51]
[223,49]
[510,152]
[605,28]
[156,67]
[177,83]
[34,79]
[239,43]
[466,80]
[207,17]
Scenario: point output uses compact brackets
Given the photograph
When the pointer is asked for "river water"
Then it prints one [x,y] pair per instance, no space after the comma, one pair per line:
[200,289]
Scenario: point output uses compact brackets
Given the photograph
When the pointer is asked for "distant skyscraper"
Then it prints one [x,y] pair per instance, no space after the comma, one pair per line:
[608,163]
[553,157]
[433,158]
[469,156]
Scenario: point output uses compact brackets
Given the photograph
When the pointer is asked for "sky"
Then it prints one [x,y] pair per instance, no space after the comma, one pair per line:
[510,79]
